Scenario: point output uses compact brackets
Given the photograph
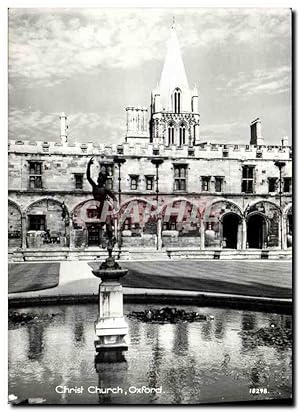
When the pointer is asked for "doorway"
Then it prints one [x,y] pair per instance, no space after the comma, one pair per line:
[256,231]
[230,230]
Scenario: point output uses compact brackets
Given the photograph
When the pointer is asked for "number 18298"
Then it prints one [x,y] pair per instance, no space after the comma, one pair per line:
[257,391]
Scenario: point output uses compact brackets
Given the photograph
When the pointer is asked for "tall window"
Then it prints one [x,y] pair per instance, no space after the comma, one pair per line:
[177,100]
[205,183]
[181,134]
[171,134]
[287,182]
[78,180]
[248,179]
[134,182]
[149,182]
[272,182]
[219,184]
[35,175]
[109,182]
[180,177]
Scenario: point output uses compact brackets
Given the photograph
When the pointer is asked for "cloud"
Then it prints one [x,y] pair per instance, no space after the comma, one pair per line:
[259,81]
[82,127]
[47,46]
[212,131]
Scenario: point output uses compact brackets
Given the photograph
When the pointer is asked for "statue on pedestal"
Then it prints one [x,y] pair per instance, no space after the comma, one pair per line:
[110,326]
[102,194]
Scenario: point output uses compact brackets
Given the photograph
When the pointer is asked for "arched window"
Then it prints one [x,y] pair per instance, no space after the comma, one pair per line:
[171,134]
[182,134]
[177,100]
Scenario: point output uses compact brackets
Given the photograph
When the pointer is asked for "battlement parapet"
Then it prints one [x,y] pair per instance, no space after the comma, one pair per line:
[201,150]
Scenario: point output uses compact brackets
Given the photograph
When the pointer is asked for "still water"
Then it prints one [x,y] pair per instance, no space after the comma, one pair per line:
[211,361]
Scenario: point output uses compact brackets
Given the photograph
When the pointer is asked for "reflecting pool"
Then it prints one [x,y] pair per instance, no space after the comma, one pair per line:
[219,360]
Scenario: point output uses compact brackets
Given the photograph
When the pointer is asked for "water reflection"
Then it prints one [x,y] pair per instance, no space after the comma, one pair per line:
[36,341]
[216,360]
[181,343]
[111,368]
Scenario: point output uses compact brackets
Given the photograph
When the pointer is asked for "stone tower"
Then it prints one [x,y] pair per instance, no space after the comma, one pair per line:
[174,106]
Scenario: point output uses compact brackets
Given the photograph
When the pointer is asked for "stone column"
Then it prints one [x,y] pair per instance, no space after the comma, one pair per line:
[159,239]
[284,232]
[244,234]
[202,235]
[280,233]
[71,232]
[23,226]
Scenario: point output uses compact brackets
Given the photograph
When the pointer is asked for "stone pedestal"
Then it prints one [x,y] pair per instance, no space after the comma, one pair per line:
[110,326]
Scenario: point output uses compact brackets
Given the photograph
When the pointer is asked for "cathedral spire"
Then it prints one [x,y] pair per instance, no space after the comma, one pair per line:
[173,74]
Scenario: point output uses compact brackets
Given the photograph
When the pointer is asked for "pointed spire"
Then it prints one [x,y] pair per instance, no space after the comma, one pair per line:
[173,73]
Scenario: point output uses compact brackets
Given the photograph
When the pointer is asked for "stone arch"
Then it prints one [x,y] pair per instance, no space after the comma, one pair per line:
[271,224]
[216,217]
[47,223]
[222,200]
[87,228]
[257,230]
[287,229]
[176,199]
[287,209]
[138,222]
[180,223]
[255,202]
[15,224]
[45,199]
[136,198]
[17,206]
[231,230]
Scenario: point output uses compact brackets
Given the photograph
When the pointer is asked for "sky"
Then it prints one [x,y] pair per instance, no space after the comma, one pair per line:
[92,63]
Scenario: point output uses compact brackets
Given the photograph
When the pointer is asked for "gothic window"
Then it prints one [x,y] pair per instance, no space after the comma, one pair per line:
[182,134]
[177,100]
[171,134]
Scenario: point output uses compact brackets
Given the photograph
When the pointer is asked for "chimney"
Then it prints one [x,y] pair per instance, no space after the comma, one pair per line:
[285,141]
[255,133]
[63,128]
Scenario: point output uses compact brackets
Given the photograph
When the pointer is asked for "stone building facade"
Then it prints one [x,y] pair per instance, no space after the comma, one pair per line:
[174,190]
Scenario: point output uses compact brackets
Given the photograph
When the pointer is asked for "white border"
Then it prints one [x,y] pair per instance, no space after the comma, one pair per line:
[4,129]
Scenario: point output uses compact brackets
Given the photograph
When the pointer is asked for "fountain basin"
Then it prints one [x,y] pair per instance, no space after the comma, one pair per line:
[110,274]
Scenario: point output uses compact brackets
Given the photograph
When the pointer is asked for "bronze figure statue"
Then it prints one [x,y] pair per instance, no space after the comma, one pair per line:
[102,194]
